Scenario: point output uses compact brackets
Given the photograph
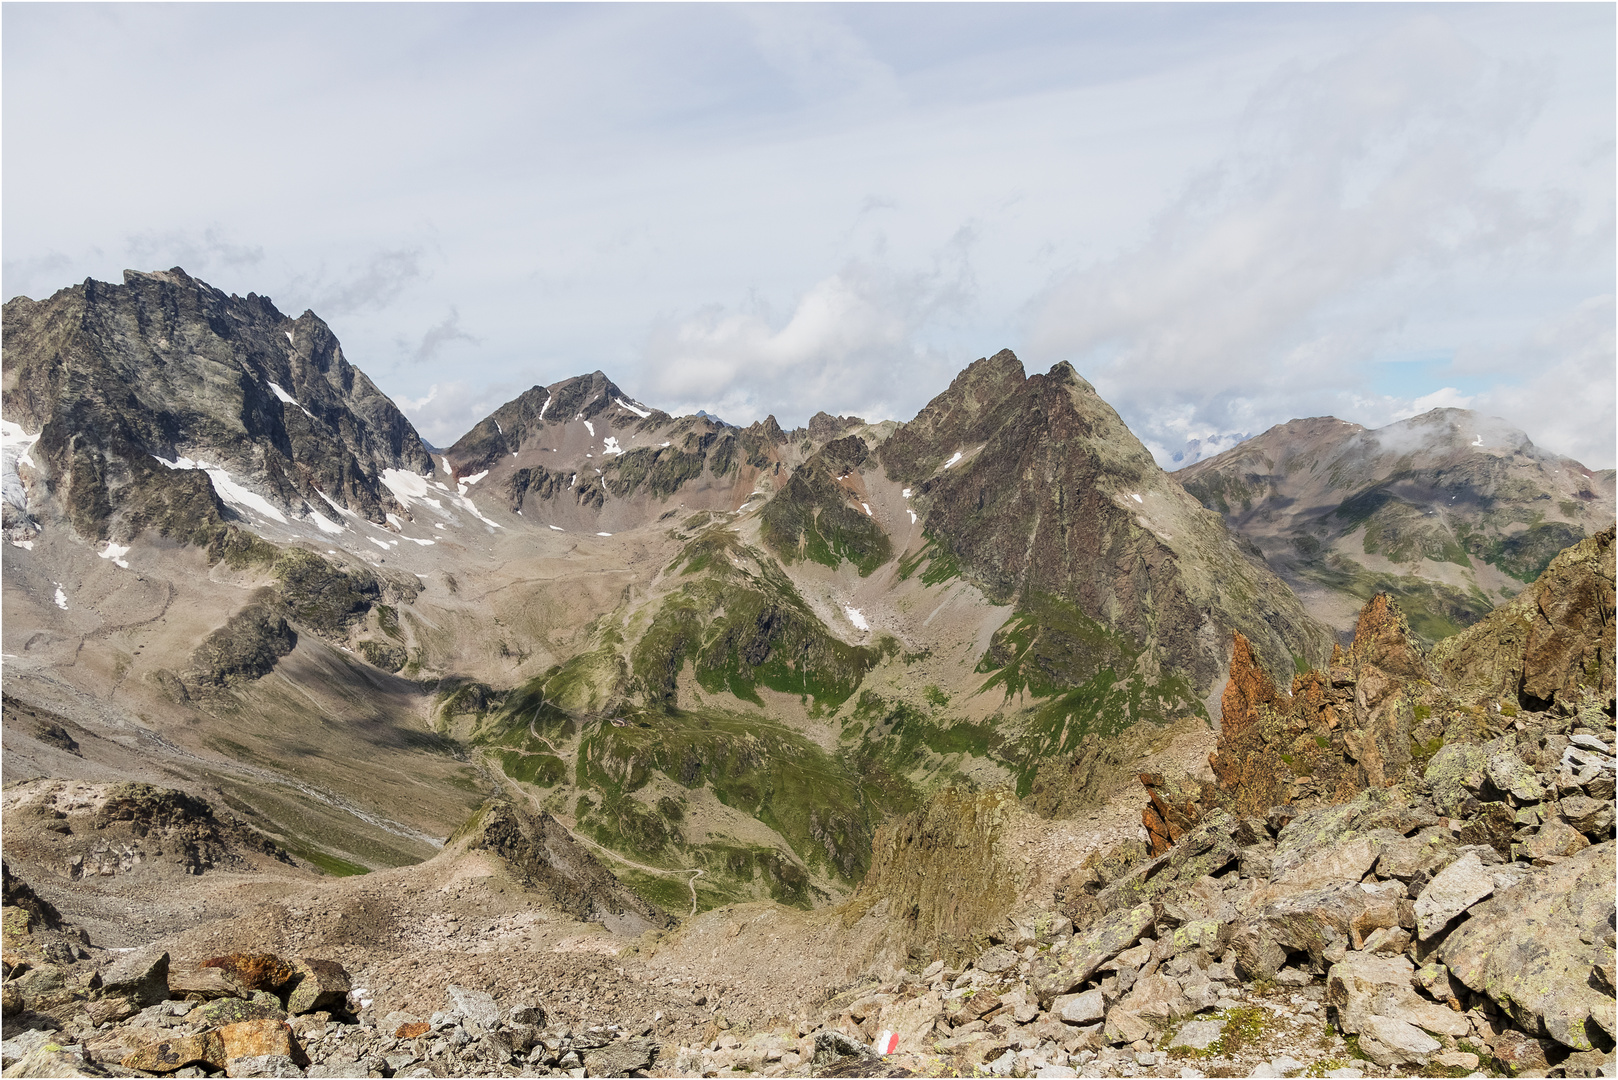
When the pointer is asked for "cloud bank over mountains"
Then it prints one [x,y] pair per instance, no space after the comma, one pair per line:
[1223,217]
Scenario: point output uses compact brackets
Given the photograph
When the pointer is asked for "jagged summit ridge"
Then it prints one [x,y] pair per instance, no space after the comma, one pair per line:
[134,388]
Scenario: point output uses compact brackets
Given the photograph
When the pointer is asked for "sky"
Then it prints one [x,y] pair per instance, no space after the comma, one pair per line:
[1224,216]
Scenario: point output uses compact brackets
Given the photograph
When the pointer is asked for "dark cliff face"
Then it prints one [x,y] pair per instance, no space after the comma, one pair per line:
[164,366]
[1048,501]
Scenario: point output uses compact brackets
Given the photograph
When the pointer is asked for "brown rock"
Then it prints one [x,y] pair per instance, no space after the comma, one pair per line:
[412,1031]
[176,1053]
[255,971]
[205,984]
[1517,1054]
[1554,838]
[259,1038]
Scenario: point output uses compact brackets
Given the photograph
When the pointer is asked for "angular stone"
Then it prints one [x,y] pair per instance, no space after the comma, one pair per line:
[1517,1054]
[474,1005]
[1455,774]
[205,983]
[142,977]
[1124,1026]
[1085,1008]
[1512,775]
[258,1038]
[1390,1042]
[1156,999]
[1556,839]
[1346,862]
[222,1011]
[1074,965]
[168,1055]
[1257,952]
[1533,948]
[1363,986]
[1587,815]
[255,971]
[621,1057]
[323,985]
[50,1059]
[1461,884]
[996,960]
[269,1065]
[1199,1034]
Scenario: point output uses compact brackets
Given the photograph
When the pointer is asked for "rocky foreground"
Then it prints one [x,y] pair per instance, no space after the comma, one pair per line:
[1403,866]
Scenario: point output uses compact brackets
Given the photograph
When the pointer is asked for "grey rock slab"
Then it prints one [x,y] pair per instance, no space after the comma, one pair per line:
[142,977]
[1511,774]
[474,1005]
[263,1065]
[1390,1042]
[1457,887]
[1085,1008]
[1534,948]
[996,960]
[1199,1034]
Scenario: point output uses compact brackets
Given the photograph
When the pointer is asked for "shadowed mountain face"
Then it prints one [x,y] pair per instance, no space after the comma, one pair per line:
[156,400]
[1451,511]
[701,647]
[1048,502]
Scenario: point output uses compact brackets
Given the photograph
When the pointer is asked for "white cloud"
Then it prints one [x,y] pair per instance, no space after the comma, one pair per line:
[1272,280]
[1443,398]
[840,349]
[450,409]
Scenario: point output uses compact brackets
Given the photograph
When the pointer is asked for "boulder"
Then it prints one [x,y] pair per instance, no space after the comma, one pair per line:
[1362,986]
[1513,776]
[168,1055]
[1460,885]
[474,1005]
[1061,971]
[1416,859]
[205,983]
[1346,862]
[255,971]
[996,960]
[266,1065]
[1085,1008]
[142,977]
[258,1038]
[1593,817]
[621,1058]
[1517,1054]
[1554,839]
[1455,774]
[222,1011]
[322,986]
[1388,1042]
[1199,1034]
[1124,1026]
[1535,948]
[1156,999]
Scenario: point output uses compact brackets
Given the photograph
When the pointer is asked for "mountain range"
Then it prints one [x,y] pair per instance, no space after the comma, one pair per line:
[627,668]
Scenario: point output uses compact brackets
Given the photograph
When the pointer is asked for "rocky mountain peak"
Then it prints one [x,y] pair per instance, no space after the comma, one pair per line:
[164,402]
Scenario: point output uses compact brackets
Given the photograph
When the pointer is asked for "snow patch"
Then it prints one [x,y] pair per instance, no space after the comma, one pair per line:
[393,520]
[324,523]
[26,545]
[1478,441]
[288,333]
[591,428]
[1137,498]
[275,388]
[612,447]
[867,507]
[642,412]
[61,597]
[603,534]
[438,524]
[467,481]
[912,514]
[383,544]
[662,444]
[443,464]
[225,486]
[408,487]
[116,553]
[556,528]
[341,511]
[905,494]
[856,617]
[423,543]
[953,460]
[545,406]
[14,446]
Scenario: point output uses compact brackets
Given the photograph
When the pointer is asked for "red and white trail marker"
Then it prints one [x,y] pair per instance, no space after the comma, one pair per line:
[886,1043]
